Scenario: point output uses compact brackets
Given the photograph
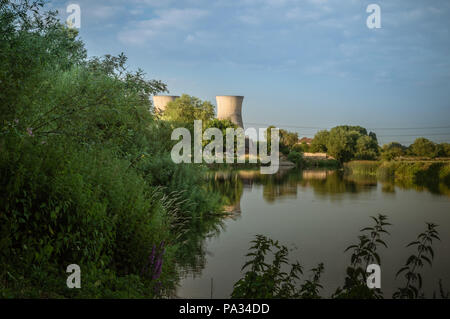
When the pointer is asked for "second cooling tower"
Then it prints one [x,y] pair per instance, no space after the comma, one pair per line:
[230,108]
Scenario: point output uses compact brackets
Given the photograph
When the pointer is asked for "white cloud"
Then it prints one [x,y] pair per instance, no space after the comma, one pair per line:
[167,21]
[249,19]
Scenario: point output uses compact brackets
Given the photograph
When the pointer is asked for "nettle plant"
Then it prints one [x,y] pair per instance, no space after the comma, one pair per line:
[415,262]
[363,254]
[272,280]
[264,279]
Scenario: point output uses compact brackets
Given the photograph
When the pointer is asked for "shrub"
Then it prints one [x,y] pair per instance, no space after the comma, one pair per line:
[296,158]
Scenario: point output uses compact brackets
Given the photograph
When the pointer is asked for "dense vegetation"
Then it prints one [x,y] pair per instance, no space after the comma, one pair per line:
[85,170]
[270,275]
[421,147]
[186,109]
[346,143]
[434,175]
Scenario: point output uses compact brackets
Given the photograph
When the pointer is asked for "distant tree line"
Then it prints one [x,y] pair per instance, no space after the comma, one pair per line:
[421,147]
[346,143]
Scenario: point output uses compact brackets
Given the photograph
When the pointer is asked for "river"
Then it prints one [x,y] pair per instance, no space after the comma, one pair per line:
[317,214]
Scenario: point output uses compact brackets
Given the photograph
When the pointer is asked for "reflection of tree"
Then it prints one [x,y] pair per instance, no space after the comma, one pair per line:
[285,184]
[230,186]
[336,183]
[191,255]
[420,183]
[428,186]
[281,186]
[388,187]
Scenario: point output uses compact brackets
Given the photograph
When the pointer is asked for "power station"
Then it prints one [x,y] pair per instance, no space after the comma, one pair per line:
[229,107]
[160,102]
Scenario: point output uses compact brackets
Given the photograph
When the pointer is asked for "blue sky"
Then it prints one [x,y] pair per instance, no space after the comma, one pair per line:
[306,63]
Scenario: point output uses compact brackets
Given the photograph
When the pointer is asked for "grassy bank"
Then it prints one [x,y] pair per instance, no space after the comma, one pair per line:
[418,172]
[321,163]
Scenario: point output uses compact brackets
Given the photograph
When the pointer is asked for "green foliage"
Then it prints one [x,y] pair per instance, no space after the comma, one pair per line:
[311,287]
[393,150]
[366,148]
[443,150]
[301,148]
[423,147]
[425,254]
[364,253]
[85,170]
[264,280]
[319,143]
[341,144]
[345,143]
[420,173]
[296,158]
[54,47]
[287,139]
[364,168]
[186,109]
[321,163]
[222,125]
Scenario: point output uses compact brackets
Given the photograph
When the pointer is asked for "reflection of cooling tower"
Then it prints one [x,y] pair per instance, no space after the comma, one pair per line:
[160,102]
[230,108]
[233,209]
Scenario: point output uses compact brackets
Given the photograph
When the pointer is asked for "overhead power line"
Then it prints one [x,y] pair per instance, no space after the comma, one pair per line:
[371,128]
[426,134]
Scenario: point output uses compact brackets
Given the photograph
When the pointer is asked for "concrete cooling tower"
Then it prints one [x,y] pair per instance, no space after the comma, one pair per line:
[230,107]
[160,102]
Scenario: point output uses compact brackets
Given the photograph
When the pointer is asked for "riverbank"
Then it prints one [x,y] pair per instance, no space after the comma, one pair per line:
[419,171]
[318,211]
[285,163]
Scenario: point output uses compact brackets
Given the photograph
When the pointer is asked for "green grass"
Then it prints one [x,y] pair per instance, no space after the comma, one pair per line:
[419,172]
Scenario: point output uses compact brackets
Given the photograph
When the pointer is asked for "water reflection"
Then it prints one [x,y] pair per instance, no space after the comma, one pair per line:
[287,183]
[311,206]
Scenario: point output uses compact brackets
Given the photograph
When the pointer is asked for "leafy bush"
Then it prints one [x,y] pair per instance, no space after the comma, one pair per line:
[85,169]
[270,280]
[296,158]
[346,143]
[264,280]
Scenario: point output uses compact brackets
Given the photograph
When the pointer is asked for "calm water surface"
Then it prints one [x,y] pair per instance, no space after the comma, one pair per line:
[317,214]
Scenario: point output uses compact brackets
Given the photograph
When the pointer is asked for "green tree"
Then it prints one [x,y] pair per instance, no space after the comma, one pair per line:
[32,45]
[296,158]
[222,125]
[319,143]
[341,144]
[366,148]
[287,139]
[392,150]
[301,148]
[85,169]
[187,108]
[443,150]
[346,142]
[423,147]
